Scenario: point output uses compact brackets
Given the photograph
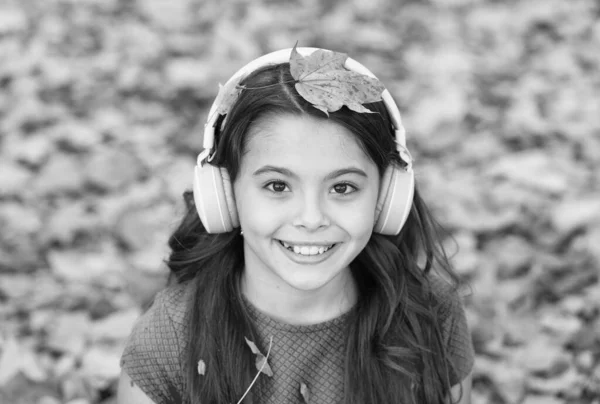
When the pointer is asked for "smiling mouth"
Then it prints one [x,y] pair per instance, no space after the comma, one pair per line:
[307,250]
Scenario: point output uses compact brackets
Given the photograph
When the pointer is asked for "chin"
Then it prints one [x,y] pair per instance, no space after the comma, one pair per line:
[306,283]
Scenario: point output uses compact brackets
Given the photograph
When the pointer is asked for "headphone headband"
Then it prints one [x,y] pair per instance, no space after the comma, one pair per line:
[283,56]
[213,191]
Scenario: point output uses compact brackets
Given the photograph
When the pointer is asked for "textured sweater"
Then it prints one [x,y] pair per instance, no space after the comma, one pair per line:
[312,355]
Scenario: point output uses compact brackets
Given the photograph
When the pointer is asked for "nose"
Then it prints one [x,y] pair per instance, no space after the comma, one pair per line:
[311,213]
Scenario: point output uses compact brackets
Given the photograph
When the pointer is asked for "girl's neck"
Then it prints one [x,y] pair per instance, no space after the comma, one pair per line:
[301,307]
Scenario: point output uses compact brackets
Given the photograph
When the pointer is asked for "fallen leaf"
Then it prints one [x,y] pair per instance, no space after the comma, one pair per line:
[10,360]
[261,361]
[305,392]
[322,80]
[252,346]
[31,367]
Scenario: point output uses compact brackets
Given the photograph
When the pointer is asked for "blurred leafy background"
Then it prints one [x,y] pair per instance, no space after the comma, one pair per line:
[102,105]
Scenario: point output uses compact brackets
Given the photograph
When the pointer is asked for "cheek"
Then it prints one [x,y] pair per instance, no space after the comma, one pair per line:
[358,222]
[254,211]
[357,218]
[262,221]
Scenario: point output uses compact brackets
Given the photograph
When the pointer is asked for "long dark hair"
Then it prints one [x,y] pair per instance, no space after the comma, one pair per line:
[395,351]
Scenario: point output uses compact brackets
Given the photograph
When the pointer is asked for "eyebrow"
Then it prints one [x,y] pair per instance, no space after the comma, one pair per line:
[284,171]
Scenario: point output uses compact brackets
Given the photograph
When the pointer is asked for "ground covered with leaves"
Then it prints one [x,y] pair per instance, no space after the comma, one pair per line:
[102,104]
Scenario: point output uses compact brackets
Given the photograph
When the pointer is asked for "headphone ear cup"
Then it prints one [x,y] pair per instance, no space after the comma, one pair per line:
[230,198]
[213,196]
[395,200]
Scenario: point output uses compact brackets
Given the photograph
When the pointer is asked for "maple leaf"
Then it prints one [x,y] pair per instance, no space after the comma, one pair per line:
[261,361]
[319,61]
[322,80]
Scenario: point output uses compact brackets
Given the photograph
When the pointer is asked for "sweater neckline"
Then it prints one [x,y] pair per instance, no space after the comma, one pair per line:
[265,321]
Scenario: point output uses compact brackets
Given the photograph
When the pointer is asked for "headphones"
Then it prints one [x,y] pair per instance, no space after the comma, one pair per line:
[213,191]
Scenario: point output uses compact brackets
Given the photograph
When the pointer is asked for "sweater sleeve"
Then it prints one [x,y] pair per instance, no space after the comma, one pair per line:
[151,354]
[456,334]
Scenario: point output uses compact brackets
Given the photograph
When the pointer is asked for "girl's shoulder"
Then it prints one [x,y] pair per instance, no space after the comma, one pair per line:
[174,301]
[447,304]
[451,315]
[446,295]
[167,311]
[153,353]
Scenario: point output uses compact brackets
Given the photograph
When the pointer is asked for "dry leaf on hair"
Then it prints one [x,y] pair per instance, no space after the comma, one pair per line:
[320,61]
[227,96]
[262,365]
[322,80]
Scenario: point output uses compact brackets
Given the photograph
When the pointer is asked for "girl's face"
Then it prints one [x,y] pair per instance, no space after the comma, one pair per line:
[306,196]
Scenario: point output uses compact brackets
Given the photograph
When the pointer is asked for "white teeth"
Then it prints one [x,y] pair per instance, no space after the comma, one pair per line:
[306,250]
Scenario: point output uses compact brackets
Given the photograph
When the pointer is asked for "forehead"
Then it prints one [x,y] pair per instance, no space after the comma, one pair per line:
[300,139]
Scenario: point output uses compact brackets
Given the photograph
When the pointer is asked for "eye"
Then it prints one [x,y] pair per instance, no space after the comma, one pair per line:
[344,188]
[276,186]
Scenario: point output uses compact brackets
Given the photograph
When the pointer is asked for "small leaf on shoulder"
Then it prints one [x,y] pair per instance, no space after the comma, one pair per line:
[262,365]
[252,346]
[201,367]
[305,393]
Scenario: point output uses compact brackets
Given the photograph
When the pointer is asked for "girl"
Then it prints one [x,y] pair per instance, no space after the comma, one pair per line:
[304,267]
